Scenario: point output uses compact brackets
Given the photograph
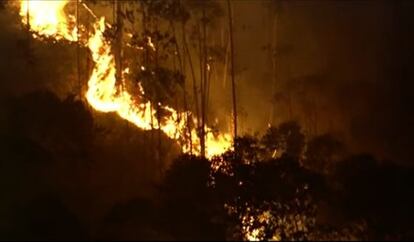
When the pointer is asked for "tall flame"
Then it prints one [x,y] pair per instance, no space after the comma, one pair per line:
[48,18]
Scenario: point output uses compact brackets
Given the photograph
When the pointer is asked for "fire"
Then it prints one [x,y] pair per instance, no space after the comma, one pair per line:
[48,19]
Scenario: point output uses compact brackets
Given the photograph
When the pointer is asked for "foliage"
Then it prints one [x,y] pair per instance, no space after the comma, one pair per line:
[161,84]
[273,197]
[190,207]
[322,151]
[287,138]
[251,195]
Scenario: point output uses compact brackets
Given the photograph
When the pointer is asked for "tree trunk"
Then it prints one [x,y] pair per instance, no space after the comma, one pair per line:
[158,110]
[273,53]
[119,38]
[146,63]
[204,83]
[28,14]
[233,82]
[201,126]
[182,70]
[208,85]
[226,63]
[78,51]
[88,57]
[187,50]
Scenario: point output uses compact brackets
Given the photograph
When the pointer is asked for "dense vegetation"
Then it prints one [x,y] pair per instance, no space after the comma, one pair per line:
[61,168]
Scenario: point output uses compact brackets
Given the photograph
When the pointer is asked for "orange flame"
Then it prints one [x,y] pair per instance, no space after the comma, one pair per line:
[47,18]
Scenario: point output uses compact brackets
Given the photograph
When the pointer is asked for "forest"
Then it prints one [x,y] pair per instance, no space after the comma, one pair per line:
[206,120]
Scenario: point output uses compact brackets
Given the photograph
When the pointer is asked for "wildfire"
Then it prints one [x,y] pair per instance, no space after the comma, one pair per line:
[48,19]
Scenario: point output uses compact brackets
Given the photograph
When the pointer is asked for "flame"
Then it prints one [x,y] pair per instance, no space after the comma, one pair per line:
[48,19]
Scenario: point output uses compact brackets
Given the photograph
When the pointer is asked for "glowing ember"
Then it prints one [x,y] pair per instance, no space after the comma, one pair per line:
[48,19]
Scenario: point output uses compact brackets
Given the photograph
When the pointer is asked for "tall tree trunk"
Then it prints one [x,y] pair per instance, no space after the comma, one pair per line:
[181,62]
[88,57]
[208,85]
[158,110]
[78,50]
[190,61]
[204,83]
[146,63]
[193,75]
[201,126]
[28,14]
[119,38]
[226,63]
[233,81]
[273,55]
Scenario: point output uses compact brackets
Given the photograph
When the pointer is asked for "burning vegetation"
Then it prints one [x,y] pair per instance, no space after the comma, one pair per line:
[201,179]
[105,93]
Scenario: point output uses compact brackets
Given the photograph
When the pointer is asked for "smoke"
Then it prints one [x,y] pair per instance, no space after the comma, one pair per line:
[342,67]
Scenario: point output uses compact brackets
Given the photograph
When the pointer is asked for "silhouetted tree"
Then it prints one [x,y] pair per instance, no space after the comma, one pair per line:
[190,207]
[379,193]
[322,152]
[286,139]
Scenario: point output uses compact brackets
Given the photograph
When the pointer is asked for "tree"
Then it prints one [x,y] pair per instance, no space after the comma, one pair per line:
[267,198]
[380,193]
[233,82]
[190,206]
[286,139]
[272,48]
[322,152]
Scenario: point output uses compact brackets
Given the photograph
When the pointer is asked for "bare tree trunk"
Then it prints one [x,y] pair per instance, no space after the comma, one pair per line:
[119,38]
[182,70]
[88,58]
[78,50]
[273,53]
[159,145]
[28,14]
[233,82]
[226,63]
[205,80]
[208,85]
[146,63]
[187,50]
[201,125]
[189,119]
